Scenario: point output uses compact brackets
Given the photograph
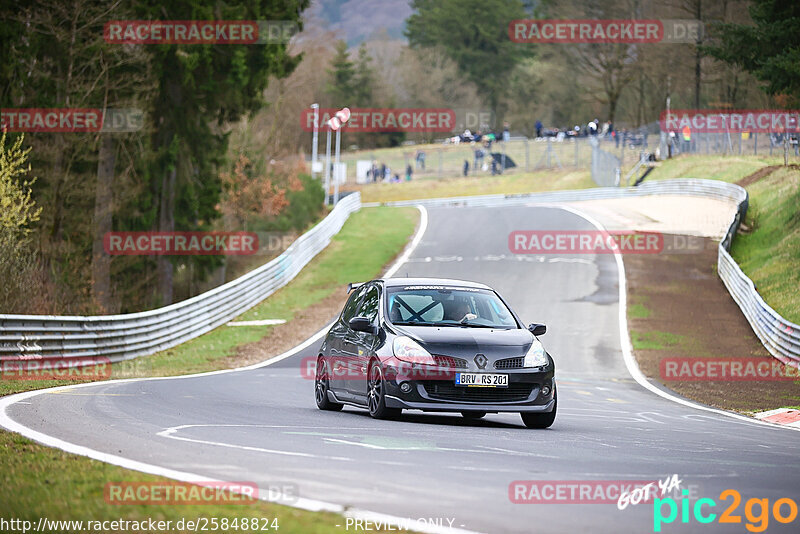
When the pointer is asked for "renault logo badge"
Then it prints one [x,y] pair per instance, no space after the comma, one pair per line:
[480,361]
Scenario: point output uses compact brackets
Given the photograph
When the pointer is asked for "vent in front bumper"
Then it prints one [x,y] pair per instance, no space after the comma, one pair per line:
[449,361]
[515,392]
[510,363]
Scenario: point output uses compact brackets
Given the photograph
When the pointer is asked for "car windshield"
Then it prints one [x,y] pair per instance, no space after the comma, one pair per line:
[447,306]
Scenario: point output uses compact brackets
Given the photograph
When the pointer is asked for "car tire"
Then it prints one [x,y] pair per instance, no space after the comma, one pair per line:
[473,415]
[541,420]
[376,394]
[321,387]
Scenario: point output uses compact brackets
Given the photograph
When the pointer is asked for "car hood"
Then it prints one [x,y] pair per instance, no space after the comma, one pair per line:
[461,341]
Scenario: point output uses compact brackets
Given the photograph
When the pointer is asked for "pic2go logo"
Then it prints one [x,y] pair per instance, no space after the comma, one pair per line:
[758,521]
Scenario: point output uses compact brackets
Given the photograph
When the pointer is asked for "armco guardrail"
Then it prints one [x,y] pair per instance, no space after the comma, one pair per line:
[121,337]
[780,337]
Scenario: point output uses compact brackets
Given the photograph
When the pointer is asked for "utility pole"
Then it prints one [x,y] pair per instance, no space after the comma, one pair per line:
[314,138]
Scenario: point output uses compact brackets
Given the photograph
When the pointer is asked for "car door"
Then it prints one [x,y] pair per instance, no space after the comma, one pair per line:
[339,358]
[358,345]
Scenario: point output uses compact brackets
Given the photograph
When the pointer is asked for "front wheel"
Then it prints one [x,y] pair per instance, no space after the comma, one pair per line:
[540,420]
[321,387]
[376,394]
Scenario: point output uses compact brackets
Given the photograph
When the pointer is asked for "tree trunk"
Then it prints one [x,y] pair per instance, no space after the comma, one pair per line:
[101,262]
[613,98]
[166,224]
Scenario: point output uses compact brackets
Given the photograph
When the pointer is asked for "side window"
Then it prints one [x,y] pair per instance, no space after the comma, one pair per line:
[352,304]
[369,307]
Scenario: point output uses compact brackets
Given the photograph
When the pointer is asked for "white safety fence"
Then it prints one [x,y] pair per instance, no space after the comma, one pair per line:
[82,339]
[780,336]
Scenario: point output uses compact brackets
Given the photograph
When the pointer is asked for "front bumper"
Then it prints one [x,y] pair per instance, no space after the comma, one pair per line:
[437,392]
[450,406]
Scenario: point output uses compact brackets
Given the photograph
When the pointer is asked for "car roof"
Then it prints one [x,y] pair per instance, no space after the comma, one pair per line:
[395,282]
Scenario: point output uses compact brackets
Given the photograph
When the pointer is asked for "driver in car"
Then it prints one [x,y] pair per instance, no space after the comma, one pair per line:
[458,310]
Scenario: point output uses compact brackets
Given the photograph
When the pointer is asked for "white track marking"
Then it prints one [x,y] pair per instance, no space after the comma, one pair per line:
[627,348]
[170,434]
[423,225]
[262,322]
[357,443]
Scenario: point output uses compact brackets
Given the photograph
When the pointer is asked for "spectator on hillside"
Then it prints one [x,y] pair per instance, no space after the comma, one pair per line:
[409,171]
[538,128]
[420,158]
[478,162]
[466,167]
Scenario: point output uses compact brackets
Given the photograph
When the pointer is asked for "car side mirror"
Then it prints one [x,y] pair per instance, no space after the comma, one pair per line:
[362,324]
[537,329]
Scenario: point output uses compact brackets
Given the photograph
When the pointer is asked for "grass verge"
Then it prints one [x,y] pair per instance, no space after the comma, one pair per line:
[724,168]
[509,183]
[38,481]
[769,253]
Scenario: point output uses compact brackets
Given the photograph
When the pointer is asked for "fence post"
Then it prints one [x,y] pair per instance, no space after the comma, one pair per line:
[440,162]
[527,153]
[576,151]
[755,144]
[549,145]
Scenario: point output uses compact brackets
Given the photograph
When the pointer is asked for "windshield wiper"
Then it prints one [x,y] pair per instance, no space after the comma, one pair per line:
[496,327]
[415,323]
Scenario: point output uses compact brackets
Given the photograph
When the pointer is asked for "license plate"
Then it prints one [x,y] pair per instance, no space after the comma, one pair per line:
[483,380]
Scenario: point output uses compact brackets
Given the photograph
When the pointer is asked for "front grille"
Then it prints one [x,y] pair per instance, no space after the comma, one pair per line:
[449,361]
[515,392]
[510,363]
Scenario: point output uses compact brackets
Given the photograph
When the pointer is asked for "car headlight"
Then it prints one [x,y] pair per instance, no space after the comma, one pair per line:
[536,356]
[408,350]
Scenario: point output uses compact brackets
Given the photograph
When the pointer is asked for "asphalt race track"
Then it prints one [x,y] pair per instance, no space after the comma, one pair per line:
[262,425]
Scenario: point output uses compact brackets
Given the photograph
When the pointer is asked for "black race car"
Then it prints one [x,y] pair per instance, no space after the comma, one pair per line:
[434,345]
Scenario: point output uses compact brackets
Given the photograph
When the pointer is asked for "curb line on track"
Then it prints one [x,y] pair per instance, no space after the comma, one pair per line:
[311,505]
[627,348]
